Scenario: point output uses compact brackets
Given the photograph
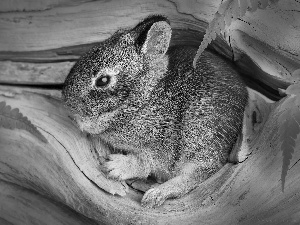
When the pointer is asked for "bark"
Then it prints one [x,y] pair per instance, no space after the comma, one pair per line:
[61,182]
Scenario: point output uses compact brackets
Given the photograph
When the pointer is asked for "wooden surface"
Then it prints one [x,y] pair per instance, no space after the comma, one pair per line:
[66,170]
[60,182]
[59,32]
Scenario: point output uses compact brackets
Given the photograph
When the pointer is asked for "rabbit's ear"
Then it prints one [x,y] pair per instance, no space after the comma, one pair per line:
[153,36]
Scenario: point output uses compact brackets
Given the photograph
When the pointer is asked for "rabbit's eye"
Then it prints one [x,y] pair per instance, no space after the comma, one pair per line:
[105,78]
[102,81]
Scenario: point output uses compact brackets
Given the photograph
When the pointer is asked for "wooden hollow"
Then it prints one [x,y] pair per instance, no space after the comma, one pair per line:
[61,182]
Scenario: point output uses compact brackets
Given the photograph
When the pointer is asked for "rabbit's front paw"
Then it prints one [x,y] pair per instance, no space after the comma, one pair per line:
[175,187]
[119,167]
[154,197]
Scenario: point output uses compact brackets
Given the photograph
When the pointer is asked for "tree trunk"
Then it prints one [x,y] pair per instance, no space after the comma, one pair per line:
[53,176]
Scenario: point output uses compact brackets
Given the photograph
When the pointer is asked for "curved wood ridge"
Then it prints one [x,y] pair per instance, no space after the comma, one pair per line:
[68,171]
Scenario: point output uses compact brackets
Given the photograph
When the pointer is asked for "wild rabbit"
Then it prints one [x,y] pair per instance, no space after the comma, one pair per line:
[146,99]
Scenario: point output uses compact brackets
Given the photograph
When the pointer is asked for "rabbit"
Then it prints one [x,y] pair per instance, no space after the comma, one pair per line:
[166,118]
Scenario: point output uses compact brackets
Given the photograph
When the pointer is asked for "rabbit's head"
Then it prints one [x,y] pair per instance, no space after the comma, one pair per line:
[116,77]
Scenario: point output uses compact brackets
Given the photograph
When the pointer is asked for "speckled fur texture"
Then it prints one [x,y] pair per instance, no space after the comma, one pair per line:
[162,116]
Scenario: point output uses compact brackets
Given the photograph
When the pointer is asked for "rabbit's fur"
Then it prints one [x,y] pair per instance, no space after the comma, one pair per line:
[144,98]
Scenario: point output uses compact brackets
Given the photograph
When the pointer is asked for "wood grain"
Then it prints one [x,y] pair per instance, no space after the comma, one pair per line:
[59,32]
[68,171]
[61,182]
[84,23]
[34,73]
[33,208]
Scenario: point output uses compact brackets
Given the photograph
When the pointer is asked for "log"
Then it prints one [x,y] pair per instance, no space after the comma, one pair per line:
[58,179]
[67,170]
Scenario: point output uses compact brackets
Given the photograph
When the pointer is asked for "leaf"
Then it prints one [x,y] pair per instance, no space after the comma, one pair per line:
[289,130]
[13,119]
[214,28]
[228,11]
